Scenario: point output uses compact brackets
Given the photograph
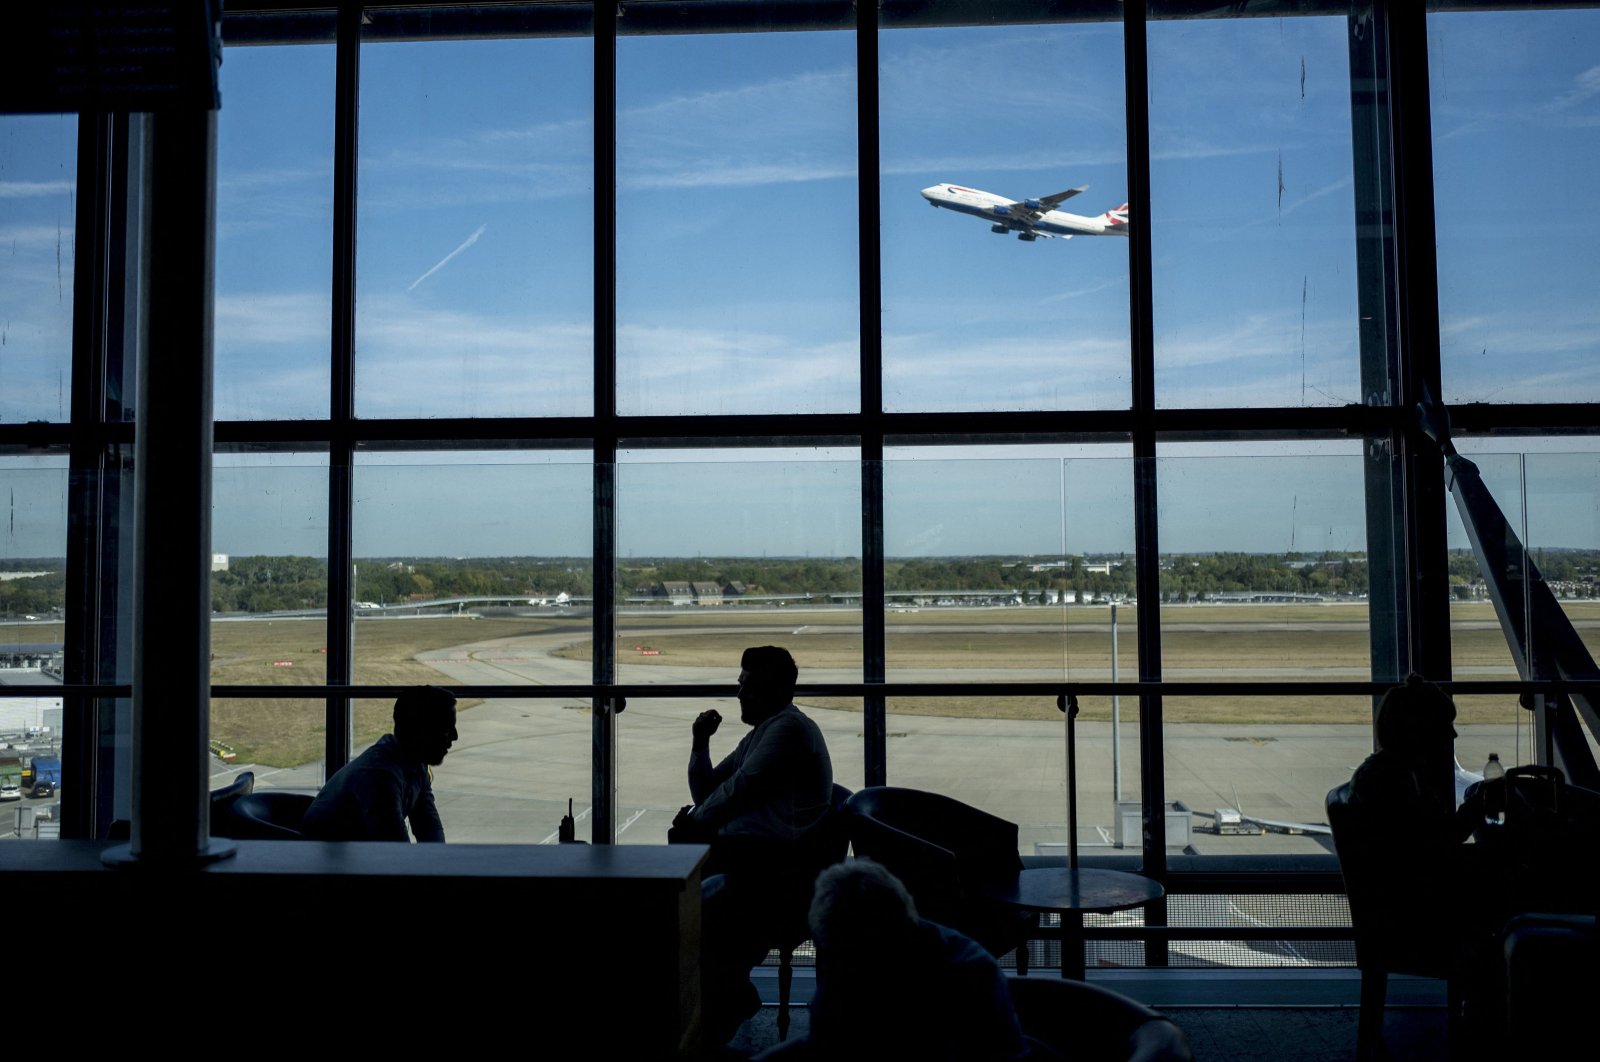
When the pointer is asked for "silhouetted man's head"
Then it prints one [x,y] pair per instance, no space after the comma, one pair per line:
[1415,718]
[767,675]
[425,722]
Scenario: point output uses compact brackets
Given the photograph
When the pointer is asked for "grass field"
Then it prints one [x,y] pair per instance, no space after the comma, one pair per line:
[1231,642]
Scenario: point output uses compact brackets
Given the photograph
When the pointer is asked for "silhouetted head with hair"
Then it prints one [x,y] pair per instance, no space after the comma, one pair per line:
[767,677]
[425,722]
[860,911]
[1414,718]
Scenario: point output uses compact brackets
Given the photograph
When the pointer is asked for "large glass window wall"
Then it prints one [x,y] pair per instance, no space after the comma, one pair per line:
[598,291]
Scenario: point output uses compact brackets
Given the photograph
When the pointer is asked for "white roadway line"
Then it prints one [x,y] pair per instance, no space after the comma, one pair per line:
[631,820]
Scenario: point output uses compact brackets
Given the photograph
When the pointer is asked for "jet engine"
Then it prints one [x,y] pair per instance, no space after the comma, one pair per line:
[1033,204]
[998,228]
[1027,237]
[1003,211]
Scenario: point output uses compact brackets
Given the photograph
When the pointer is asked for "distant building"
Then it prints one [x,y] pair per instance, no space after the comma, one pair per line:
[677,592]
[219,562]
[734,589]
[706,593]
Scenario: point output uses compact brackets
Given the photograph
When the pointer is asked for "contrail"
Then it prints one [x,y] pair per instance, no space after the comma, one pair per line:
[468,242]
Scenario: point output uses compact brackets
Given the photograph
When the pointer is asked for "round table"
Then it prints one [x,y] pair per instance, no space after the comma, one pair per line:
[1072,892]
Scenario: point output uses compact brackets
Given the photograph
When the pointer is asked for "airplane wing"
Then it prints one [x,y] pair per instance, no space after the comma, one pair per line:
[1027,211]
[1280,826]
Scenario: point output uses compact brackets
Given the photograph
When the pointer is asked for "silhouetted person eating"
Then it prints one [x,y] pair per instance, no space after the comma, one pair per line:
[375,795]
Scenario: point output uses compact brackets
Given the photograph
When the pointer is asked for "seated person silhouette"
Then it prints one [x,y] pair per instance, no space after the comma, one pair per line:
[753,808]
[1443,901]
[375,795]
[893,985]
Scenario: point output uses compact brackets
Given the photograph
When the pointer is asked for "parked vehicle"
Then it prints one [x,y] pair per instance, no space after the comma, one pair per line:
[42,776]
[10,777]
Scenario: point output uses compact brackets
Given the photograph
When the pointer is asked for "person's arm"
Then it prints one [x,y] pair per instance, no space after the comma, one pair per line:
[762,760]
[703,777]
[424,817]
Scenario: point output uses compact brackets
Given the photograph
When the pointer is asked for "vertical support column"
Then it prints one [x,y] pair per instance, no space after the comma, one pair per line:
[874,727]
[1387,585]
[1417,278]
[1417,282]
[338,734]
[172,498]
[603,818]
[1152,760]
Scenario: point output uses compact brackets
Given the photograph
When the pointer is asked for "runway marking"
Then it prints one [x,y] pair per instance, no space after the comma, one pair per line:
[631,820]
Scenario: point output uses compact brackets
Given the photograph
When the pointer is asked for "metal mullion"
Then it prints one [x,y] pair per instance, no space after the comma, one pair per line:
[874,707]
[337,720]
[85,468]
[603,563]
[1147,549]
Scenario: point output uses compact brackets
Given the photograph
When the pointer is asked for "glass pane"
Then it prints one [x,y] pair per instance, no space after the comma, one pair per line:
[279,740]
[718,551]
[33,541]
[1516,152]
[1001,562]
[38,186]
[1253,224]
[474,270]
[983,121]
[269,600]
[736,224]
[1544,491]
[274,233]
[33,550]
[495,591]
[1247,777]
[1263,579]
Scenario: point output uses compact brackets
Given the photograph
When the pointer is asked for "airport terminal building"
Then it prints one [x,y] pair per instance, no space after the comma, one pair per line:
[345,342]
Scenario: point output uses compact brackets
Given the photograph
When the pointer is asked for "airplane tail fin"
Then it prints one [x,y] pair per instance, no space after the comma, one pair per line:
[1117,217]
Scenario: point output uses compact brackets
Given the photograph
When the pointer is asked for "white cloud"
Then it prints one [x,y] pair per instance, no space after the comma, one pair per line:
[34,189]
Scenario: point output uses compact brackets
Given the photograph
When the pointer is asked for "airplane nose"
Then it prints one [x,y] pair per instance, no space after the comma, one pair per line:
[927,193]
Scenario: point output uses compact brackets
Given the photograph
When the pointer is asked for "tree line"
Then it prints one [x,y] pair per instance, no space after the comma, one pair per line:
[288,583]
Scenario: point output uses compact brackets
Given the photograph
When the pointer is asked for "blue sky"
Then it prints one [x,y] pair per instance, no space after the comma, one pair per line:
[737,285]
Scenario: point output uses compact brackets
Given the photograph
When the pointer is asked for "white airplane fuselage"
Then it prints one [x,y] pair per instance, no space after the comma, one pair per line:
[1004,215]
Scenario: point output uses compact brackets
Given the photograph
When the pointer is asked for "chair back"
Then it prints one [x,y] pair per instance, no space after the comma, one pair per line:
[243,782]
[946,853]
[1085,1021]
[1388,911]
[271,815]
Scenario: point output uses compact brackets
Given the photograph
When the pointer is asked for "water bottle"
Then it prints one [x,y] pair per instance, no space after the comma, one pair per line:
[1494,796]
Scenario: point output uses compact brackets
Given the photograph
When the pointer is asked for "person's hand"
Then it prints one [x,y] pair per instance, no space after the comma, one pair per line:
[706,723]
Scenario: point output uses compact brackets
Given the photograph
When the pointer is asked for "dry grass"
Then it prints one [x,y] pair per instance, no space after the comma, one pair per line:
[1222,643]
[285,733]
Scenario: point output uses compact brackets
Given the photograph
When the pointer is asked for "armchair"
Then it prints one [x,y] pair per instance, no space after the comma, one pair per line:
[947,854]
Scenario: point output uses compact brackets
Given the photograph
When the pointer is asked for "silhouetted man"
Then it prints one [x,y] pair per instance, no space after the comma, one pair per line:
[376,794]
[777,782]
[753,808]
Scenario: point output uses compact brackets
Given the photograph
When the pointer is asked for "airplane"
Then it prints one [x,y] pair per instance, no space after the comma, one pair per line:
[1030,219]
[1235,820]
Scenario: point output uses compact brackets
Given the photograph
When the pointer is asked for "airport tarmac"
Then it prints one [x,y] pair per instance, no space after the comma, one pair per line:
[519,760]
